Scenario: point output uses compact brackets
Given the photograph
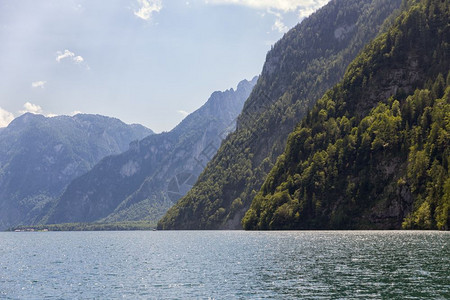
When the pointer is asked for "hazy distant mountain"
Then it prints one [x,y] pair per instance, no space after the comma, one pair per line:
[39,157]
[143,182]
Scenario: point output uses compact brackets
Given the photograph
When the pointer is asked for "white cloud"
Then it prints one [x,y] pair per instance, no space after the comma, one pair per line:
[147,8]
[304,11]
[75,112]
[76,59]
[275,13]
[183,113]
[62,55]
[5,117]
[283,5]
[277,8]
[279,25]
[31,108]
[37,84]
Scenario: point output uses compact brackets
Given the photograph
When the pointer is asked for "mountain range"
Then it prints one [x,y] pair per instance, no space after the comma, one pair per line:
[370,153]
[347,127]
[373,153]
[40,156]
[300,68]
[143,182]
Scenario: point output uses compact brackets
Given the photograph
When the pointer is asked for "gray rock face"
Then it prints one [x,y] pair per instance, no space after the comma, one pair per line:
[39,157]
[143,182]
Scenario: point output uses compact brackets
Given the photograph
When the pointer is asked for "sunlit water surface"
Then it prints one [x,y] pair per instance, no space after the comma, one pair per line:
[225,265]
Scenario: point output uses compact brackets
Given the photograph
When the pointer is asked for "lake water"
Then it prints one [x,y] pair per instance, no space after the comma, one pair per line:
[225,265]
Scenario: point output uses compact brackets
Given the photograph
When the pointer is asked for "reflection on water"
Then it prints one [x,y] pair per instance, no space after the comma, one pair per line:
[225,264]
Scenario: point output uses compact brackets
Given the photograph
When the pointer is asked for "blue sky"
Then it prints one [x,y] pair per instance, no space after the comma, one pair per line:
[142,61]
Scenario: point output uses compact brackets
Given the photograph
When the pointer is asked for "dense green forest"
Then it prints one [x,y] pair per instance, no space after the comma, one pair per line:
[300,68]
[374,151]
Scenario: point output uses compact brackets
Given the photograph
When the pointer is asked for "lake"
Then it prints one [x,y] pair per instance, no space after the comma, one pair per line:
[225,265]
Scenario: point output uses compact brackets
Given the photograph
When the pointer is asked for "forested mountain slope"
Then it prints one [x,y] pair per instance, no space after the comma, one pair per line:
[374,151]
[143,182]
[39,156]
[300,68]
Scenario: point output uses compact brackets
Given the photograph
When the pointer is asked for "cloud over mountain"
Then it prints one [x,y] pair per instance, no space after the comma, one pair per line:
[283,5]
[5,117]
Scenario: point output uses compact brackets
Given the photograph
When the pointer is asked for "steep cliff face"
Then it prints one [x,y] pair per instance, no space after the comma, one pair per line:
[143,182]
[307,61]
[39,156]
[373,152]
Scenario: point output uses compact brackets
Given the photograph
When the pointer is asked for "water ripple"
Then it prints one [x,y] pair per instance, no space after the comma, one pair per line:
[225,265]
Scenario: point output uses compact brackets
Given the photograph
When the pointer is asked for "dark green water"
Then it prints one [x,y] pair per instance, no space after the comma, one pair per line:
[225,265]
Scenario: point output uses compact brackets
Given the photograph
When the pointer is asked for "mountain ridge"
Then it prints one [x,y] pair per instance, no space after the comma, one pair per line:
[373,152]
[132,185]
[40,155]
[301,66]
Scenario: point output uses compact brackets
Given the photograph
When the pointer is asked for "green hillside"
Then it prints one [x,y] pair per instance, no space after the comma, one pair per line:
[374,151]
[310,59]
